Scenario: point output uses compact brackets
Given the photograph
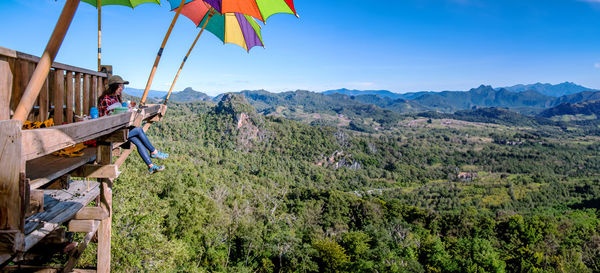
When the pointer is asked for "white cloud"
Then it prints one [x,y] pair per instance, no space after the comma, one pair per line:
[591,1]
[597,65]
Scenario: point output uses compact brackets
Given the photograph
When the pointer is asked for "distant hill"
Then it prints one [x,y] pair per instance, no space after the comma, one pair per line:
[584,108]
[188,95]
[494,115]
[554,90]
[578,97]
[483,96]
[397,105]
[381,93]
[139,92]
[348,92]
[302,101]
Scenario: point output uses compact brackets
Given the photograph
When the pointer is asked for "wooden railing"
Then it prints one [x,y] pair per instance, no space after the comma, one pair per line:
[29,209]
[68,90]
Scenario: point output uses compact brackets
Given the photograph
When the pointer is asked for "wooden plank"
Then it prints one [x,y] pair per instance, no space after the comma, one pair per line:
[43,170]
[86,94]
[104,157]
[57,65]
[101,82]
[97,171]
[44,101]
[50,80]
[4,258]
[163,110]
[78,94]
[104,254]
[40,142]
[8,52]
[20,81]
[94,92]
[69,97]
[33,115]
[10,179]
[59,96]
[83,225]
[91,213]
[6,83]
[59,207]
[76,253]
[117,136]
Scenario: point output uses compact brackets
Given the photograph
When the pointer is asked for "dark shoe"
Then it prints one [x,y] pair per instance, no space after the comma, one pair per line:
[156,168]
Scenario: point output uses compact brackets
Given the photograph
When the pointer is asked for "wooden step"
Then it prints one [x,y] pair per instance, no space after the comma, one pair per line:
[59,207]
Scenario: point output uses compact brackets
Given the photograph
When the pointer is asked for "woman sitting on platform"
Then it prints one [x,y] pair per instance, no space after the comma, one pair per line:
[106,104]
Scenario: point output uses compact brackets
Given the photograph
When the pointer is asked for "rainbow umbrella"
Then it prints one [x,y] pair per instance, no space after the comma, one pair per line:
[99,3]
[259,9]
[235,28]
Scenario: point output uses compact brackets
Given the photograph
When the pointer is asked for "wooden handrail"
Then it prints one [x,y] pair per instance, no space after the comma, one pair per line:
[27,57]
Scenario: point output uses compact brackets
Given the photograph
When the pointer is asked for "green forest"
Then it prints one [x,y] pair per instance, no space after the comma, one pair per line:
[246,192]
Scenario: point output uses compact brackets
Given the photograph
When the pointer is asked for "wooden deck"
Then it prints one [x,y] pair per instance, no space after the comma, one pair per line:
[29,209]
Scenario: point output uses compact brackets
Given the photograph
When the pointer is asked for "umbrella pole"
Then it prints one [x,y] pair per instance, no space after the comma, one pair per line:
[43,67]
[186,56]
[99,32]
[159,54]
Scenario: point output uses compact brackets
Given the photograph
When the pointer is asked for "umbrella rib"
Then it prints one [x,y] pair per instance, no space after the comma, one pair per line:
[186,56]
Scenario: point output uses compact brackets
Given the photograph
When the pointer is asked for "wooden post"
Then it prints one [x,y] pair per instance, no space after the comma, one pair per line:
[186,56]
[44,101]
[100,88]
[30,70]
[86,94]
[104,157]
[59,92]
[41,71]
[69,96]
[94,92]
[76,253]
[21,77]
[78,94]
[12,170]
[6,79]
[159,54]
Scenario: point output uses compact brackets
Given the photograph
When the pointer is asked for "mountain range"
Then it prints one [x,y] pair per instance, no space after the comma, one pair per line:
[383,105]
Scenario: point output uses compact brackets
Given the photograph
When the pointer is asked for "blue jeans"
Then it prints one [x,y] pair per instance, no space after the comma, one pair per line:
[139,138]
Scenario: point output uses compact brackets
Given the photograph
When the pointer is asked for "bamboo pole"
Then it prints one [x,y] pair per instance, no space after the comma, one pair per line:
[159,54]
[41,71]
[186,56]
[99,32]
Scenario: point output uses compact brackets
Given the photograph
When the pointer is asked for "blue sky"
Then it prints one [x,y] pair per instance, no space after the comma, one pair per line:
[402,46]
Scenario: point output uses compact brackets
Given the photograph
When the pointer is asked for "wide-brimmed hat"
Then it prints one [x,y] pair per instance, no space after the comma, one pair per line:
[114,79]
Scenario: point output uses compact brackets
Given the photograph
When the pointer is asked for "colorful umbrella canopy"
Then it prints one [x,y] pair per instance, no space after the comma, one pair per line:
[234,28]
[259,9]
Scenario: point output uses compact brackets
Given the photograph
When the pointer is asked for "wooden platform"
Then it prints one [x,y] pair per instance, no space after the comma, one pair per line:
[59,207]
[44,169]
